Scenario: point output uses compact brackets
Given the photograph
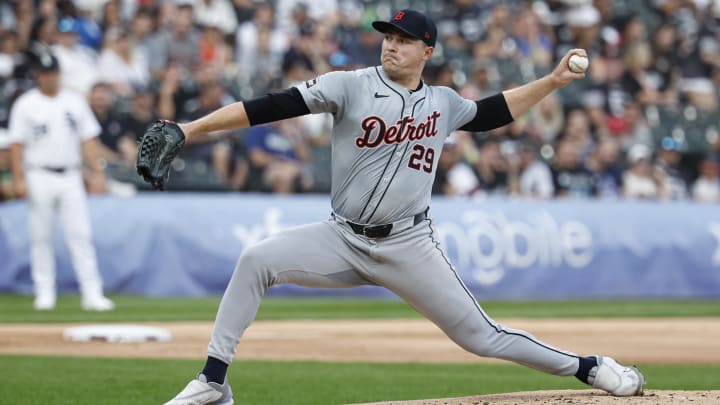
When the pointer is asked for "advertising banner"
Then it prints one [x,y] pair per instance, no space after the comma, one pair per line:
[184,244]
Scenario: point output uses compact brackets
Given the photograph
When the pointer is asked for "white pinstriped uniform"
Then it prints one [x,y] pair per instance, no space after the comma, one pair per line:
[51,131]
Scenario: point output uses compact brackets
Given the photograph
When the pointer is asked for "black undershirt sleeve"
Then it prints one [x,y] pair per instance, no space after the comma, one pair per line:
[492,112]
[277,106]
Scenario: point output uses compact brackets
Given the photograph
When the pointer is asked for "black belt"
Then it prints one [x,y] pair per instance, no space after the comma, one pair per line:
[54,169]
[381,231]
[58,170]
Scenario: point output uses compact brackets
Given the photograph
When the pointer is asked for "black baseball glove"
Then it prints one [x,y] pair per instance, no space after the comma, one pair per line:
[158,147]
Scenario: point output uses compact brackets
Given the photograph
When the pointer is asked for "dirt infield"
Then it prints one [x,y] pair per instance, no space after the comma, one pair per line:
[660,341]
[576,397]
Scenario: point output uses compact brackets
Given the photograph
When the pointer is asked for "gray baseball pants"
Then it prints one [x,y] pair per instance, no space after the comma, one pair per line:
[410,264]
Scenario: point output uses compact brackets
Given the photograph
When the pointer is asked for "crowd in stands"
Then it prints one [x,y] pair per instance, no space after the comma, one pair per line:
[643,124]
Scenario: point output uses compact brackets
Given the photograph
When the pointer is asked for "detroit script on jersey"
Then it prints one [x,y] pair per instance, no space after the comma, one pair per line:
[386,140]
[376,131]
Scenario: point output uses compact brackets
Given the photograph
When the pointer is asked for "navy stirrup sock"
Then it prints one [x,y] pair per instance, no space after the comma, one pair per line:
[215,370]
[586,364]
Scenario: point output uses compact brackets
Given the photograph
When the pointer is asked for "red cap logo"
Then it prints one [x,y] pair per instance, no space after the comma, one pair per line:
[427,35]
[399,16]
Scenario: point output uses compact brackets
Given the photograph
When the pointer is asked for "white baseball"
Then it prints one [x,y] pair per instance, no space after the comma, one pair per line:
[578,63]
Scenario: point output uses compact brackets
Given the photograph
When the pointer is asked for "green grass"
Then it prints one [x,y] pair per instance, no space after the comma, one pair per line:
[17,308]
[61,380]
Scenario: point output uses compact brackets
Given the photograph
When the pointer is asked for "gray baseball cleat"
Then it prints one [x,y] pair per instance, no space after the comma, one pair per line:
[616,379]
[201,392]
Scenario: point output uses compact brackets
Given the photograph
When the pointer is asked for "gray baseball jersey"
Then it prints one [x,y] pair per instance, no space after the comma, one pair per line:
[386,145]
[386,141]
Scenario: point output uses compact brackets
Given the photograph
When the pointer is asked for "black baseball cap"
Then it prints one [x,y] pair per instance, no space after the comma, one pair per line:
[411,22]
[47,62]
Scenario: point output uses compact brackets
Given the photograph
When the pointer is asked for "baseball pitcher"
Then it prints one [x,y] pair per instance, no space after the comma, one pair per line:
[388,132]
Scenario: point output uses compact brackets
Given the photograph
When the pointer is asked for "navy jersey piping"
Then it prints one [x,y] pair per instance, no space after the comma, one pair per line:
[391,155]
[498,329]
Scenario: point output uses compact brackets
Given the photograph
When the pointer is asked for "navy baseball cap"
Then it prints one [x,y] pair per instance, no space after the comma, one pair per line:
[411,22]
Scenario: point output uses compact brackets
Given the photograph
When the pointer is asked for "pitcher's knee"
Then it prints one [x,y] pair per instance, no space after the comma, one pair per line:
[250,258]
[480,340]
[254,263]
[479,346]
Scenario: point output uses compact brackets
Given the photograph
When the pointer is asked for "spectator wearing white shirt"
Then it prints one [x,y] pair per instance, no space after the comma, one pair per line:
[94,8]
[216,13]
[640,180]
[535,178]
[78,63]
[669,164]
[120,64]
[454,177]
[9,54]
[707,187]
[260,45]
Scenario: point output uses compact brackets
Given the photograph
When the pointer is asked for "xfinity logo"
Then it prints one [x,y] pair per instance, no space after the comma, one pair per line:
[270,225]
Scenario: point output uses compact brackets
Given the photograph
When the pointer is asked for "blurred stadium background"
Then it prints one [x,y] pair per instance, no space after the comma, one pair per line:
[608,190]
[610,185]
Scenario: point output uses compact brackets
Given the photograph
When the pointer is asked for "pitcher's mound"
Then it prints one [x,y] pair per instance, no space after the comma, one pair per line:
[583,397]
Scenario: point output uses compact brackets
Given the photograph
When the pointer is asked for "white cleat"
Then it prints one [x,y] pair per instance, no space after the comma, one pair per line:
[201,392]
[44,302]
[99,304]
[616,379]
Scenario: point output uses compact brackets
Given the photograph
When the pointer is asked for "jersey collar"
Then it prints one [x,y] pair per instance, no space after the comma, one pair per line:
[405,93]
[420,86]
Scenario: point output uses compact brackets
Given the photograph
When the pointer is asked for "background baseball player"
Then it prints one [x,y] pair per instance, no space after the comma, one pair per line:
[49,129]
[389,129]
